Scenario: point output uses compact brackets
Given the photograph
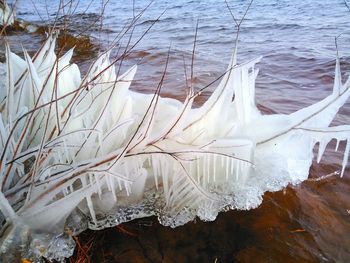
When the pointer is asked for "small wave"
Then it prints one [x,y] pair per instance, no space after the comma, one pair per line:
[152,21]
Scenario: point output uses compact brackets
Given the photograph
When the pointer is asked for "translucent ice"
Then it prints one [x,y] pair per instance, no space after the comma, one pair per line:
[88,152]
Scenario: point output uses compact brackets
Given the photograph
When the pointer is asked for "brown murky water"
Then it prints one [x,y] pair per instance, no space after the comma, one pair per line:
[305,223]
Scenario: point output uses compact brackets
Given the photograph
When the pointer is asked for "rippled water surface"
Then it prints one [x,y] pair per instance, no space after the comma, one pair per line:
[305,223]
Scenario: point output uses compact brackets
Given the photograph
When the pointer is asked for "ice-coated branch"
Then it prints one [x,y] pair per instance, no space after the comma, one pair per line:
[90,146]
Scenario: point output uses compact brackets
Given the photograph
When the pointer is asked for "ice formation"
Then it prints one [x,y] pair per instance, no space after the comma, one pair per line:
[6,14]
[88,152]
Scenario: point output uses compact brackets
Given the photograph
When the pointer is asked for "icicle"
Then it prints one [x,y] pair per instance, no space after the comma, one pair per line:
[346,157]
[232,166]
[214,167]
[88,200]
[91,209]
[156,180]
[165,181]
[70,188]
[198,167]
[119,184]
[275,137]
[91,179]
[155,174]
[6,14]
[321,148]
[19,169]
[162,165]
[113,189]
[3,134]
[337,78]
[10,88]
[238,168]
[208,167]
[7,209]
[98,183]
[227,167]
[108,182]
[127,188]
[204,166]
[337,145]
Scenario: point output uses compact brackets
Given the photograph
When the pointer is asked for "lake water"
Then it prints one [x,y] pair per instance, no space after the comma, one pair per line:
[305,223]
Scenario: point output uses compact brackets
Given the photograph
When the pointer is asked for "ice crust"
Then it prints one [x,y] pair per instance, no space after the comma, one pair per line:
[80,153]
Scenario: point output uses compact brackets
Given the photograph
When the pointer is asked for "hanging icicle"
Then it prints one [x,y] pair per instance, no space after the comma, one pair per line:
[151,155]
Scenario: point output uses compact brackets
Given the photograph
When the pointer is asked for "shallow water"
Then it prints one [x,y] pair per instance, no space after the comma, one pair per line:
[305,223]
